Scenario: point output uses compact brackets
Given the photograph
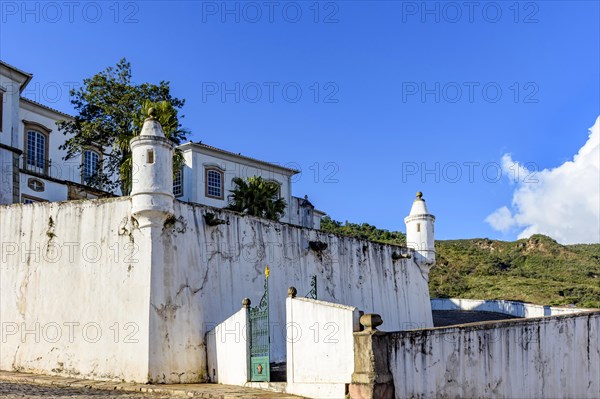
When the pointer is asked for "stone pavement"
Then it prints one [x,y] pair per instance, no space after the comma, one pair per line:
[15,385]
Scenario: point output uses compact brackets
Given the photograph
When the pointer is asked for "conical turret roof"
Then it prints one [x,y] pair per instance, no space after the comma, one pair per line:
[151,126]
[419,207]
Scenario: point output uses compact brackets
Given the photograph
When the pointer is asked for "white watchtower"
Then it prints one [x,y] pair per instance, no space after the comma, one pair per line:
[152,174]
[419,232]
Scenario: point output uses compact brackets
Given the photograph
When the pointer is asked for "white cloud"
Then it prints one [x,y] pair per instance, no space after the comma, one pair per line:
[562,202]
[501,219]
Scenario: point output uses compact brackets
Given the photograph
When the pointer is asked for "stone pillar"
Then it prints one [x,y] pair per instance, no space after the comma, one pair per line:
[371,378]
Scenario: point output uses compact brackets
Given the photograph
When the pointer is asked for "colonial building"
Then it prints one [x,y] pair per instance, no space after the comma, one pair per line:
[33,168]
[207,178]
[31,162]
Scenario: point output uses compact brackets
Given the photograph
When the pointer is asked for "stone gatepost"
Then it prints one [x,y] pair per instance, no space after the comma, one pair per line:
[371,378]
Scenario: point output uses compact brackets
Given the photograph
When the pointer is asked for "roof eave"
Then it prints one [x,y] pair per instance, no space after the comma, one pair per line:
[45,107]
[215,149]
[28,76]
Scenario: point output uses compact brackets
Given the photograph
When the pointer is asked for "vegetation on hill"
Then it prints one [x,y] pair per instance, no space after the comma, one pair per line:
[536,270]
[363,231]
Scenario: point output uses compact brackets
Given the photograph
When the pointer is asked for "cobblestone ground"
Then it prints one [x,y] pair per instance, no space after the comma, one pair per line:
[10,390]
[15,385]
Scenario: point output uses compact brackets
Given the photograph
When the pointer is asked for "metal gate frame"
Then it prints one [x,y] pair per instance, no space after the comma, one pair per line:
[260,340]
[312,294]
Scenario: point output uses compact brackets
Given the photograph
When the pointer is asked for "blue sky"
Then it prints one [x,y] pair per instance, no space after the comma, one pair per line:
[395,97]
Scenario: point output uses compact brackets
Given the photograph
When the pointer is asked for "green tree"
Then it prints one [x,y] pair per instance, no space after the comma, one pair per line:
[110,112]
[363,231]
[257,197]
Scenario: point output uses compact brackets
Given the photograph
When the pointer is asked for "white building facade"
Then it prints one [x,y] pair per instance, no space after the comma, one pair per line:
[33,169]
[32,165]
[207,179]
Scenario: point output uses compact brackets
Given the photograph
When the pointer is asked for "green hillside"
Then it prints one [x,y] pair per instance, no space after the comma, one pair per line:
[536,270]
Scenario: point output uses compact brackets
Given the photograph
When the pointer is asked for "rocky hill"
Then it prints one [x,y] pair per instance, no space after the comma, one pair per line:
[536,270]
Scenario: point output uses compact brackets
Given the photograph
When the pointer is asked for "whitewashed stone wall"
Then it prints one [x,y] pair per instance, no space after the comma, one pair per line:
[228,350]
[74,291]
[207,271]
[550,357]
[320,347]
[151,294]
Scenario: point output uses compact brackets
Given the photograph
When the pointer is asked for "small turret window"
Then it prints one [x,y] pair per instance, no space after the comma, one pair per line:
[418,227]
[150,156]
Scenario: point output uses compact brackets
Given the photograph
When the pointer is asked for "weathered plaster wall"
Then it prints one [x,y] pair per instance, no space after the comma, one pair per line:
[208,270]
[74,290]
[228,348]
[85,291]
[325,328]
[518,309]
[320,347]
[550,357]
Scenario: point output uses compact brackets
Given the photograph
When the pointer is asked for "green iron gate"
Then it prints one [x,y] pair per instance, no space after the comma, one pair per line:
[260,369]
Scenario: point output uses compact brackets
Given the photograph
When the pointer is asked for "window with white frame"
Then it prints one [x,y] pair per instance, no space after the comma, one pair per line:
[214,183]
[178,183]
[35,151]
[91,160]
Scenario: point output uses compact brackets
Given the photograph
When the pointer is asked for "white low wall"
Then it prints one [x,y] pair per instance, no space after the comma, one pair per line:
[74,290]
[320,347]
[228,350]
[549,357]
[513,308]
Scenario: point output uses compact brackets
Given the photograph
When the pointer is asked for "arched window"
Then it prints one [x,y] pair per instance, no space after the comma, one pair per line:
[214,183]
[36,147]
[91,160]
[35,152]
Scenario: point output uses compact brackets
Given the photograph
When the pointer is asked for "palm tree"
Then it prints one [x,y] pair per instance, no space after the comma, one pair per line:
[257,197]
